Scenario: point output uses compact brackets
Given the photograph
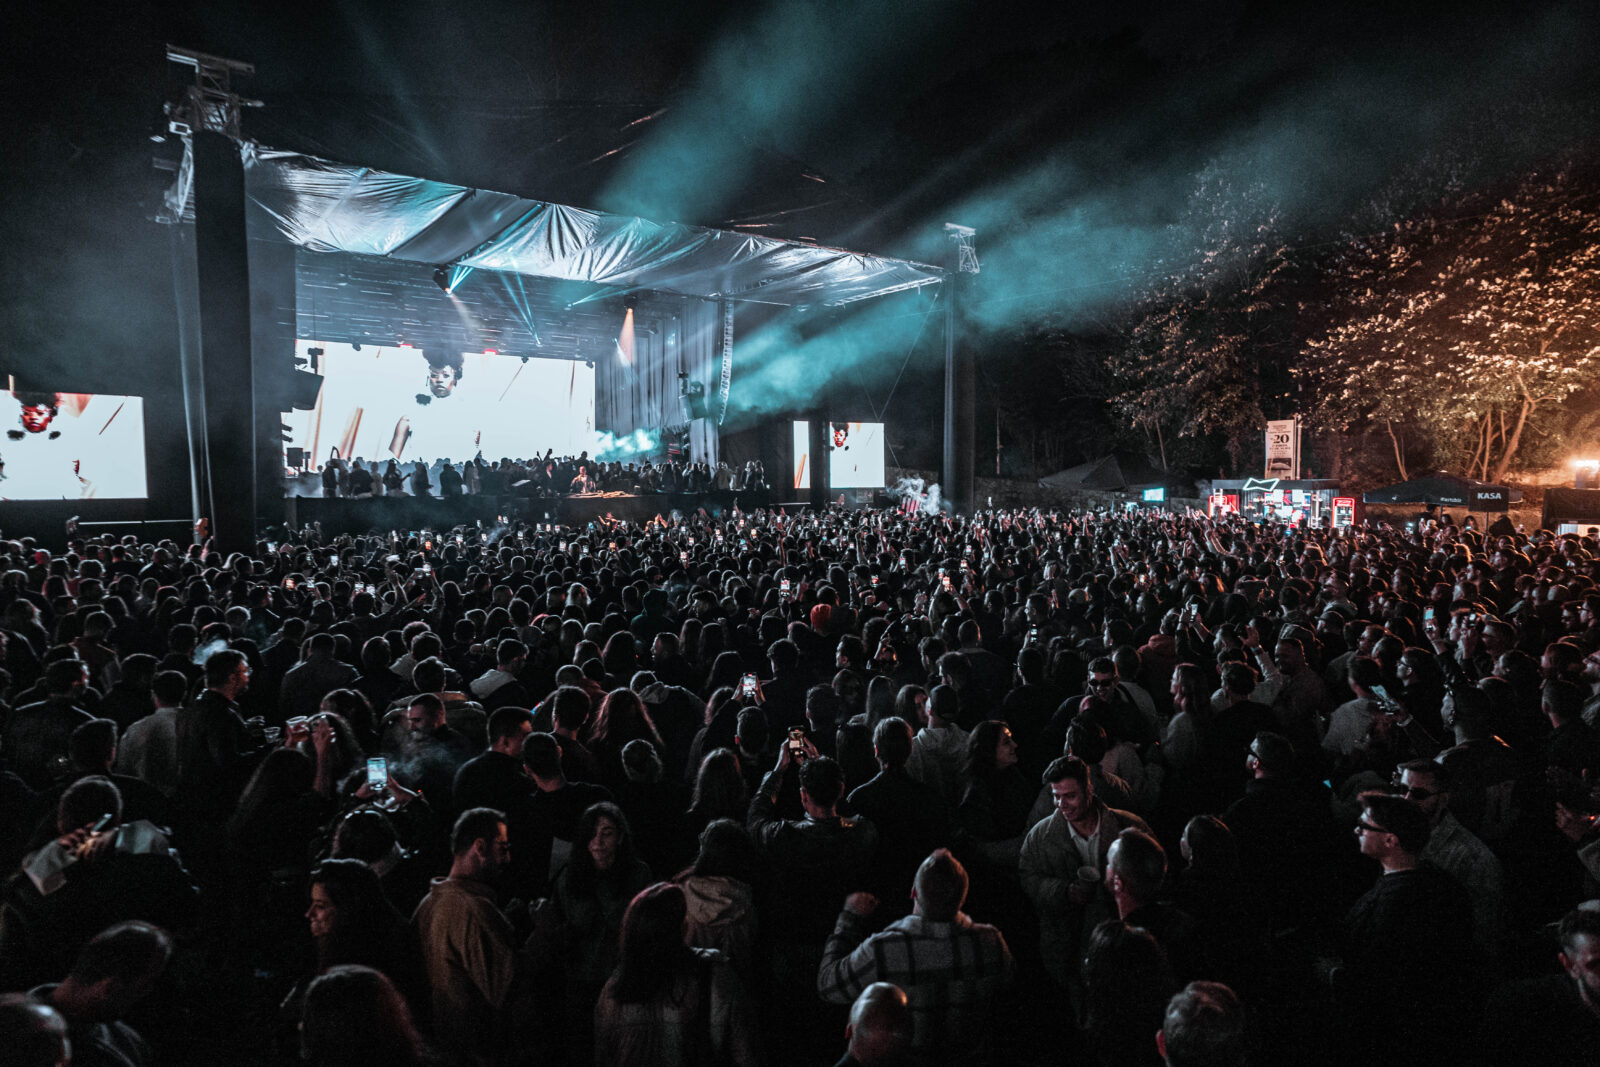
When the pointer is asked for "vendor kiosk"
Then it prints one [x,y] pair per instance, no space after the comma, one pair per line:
[1303,502]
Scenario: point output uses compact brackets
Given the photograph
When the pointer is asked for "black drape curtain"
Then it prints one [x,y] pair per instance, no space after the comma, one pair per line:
[645,395]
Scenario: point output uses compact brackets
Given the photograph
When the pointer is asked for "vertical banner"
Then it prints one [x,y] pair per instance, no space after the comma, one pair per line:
[1282,449]
[727,359]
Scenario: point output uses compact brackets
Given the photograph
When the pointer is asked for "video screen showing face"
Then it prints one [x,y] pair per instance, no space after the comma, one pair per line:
[855,455]
[382,403]
[72,446]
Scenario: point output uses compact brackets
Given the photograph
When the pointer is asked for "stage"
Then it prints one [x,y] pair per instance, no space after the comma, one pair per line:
[356,516]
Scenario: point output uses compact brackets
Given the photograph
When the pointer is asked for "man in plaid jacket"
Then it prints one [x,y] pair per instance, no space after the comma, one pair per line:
[951,968]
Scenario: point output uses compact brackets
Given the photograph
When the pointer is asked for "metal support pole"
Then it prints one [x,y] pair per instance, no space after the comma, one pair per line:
[960,386]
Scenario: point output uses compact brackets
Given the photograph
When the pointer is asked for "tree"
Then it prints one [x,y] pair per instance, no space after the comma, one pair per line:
[1467,321]
[1203,352]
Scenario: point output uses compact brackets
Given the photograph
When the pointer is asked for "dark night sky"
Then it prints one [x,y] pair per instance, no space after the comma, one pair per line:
[1018,118]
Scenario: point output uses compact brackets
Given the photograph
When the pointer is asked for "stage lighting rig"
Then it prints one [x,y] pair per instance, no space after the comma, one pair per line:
[441,278]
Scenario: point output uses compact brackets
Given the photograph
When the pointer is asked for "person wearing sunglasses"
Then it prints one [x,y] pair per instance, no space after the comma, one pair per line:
[1455,850]
[1406,989]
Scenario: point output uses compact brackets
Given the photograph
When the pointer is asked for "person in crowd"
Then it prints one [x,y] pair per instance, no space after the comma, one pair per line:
[951,969]
[1205,1025]
[1456,851]
[95,874]
[1127,982]
[580,925]
[668,1003]
[1062,864]
[317,675]
[1553,1018]
[879,1031]
[912,818]
[468,945]
[719,893]
[354,1016]
[940,747]
[495,778]
[1407,984]
[35,736]
[113,973]
[33,1033]
[149,747]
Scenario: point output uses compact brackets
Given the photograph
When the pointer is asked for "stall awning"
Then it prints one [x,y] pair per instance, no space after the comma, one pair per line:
[327,207]
[1448,490]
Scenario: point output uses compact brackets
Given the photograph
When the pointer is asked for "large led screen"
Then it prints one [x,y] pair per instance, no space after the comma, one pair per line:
[379,403]
[72,446]
[855,456]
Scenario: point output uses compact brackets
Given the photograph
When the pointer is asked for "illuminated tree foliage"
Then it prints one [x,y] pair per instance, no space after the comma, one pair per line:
[1203,356]
[1470,323]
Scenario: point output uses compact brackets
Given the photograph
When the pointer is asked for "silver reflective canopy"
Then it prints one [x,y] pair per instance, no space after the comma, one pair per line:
[326,207]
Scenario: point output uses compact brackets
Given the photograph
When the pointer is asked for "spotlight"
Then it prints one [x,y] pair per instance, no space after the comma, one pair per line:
[441,278]
[355,346]
[524,359]
[313,352]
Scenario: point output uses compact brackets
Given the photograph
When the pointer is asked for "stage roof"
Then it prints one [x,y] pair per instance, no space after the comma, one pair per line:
[324,206]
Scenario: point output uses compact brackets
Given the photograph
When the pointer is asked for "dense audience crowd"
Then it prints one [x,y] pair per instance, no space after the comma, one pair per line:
[765,788]
[539,477]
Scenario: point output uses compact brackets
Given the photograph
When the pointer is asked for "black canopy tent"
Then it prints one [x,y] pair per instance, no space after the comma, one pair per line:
[1448,490]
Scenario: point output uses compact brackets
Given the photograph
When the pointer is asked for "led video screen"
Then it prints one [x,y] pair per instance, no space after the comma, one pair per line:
[380,403]
[72,446]
[855,458]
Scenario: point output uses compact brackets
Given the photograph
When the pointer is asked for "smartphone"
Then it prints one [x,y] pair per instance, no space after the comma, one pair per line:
[333,563]
[748,686]
[963,566]
[563,546]
[377,774]
[459,539]
[272,546]
[1383,696]
[797,741]
[372,590]
[613,546]
[1033,635]
[427,568]
[288,583]
[683,557]
[783,587]
[874,581]
[1427,614]
[944,579]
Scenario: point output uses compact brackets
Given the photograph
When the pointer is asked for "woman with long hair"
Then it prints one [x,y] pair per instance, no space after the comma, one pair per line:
[352,922]
[880,701]
[622,718]
[1127,982]
[668,1004]
[726,672]
[992,820]
[354,1017]
[584,918]
[908,705]
[720,892]
[720,791]
[620,658]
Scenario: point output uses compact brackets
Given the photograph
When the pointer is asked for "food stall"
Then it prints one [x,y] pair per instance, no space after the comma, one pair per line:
[1307,502]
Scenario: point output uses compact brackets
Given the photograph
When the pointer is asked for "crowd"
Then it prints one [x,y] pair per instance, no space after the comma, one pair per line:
[858,787]
[541,477]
